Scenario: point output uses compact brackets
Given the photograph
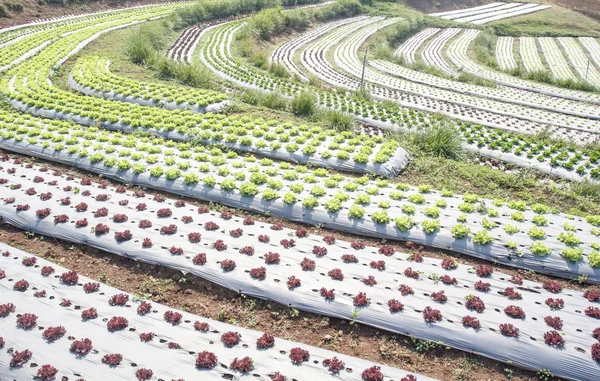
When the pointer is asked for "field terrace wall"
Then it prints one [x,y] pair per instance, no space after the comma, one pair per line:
[134,339]
[32,92]
[374,286]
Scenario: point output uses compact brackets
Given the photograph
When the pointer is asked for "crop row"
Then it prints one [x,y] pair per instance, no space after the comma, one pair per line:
[59,324]
[457,52]
[491,12]
[30,91]
[505,53]
[556,61]
[585,68]
[529,54]
[432,54]
[94,73]
[374,208]
[320,274]
[410,47]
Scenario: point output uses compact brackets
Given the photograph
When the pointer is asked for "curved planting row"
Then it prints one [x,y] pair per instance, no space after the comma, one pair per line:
[284,54]
[529,54]
[410,47]
[92,76]
[30,91]
[491,12]
[457,52]
[557,63]
[58,323]
[510,234]
[497,114]
[469,308]
[432,54]
[505,53]
[592,48]
[580,62]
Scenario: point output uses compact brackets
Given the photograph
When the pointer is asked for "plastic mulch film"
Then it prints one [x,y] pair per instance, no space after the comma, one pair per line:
[179,337]
[252,258]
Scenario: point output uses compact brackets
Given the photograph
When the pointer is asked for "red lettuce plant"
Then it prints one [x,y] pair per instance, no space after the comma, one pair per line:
[118,300]
[102,212]
[123,236]
[377,265]
[146,336]
[164,213]
[201,326]
[66,303]
[144,374]
[219,245]
[447,279]
[179,204]
[387,250]
[372,374]
[293,282]
[88,314]
[515,312]
[299,355]
[553,338]
[596,352]
[30,192]
[203,209]
[124,202]
[10,200]
[247,250]
[301,233]
[264,238]
[199,259]
[42,213]
[308,264]
[516,280]
[555,304]
[395,305]
[334,365]
[470,321]
[231,339]
[248,221]
[236,233]
[45,196]
[357,245]
[593,312]
[194,237]
[511,294]
[329,239]
[101,229]
[21,285]
[54,333]
[117,323]
[81,223]
[139,193]
[242,365]
[86,193]
[361,300]
[327,294]
[38,179]
[23,208]
[552,286]
[102,197]
[69,278]
[474,303]
[259,273]
[596,333]
[47,270]
[159,198]
[349,258]
[147,243]
[410,273]
[509,330]
[554,322]
[168,230]
[209,226]
[405,290]
[287,243]
[187,219]
[176,250]
[439,297]
[409,377]
[228,265]
[19,358]
[46,372]
[81,347]
[226,215]
[113,359]
[482,286]
[29,261]
[141,207]
[593,295]
[40,294]
[319,251]
[431,315]
[61,219]
[336,274]
[277,226]
[145,224]
[173,317]
[484,271]
[415,257]
[369,281]
[265,341]
[206,360]
[144,308]
[173,345]
[27,321]
[272,258]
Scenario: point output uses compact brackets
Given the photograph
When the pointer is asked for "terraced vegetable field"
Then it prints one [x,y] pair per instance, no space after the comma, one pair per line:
[302,205]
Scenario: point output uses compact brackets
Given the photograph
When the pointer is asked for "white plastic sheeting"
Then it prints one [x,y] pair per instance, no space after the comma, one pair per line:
[573,361]
[166,364]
